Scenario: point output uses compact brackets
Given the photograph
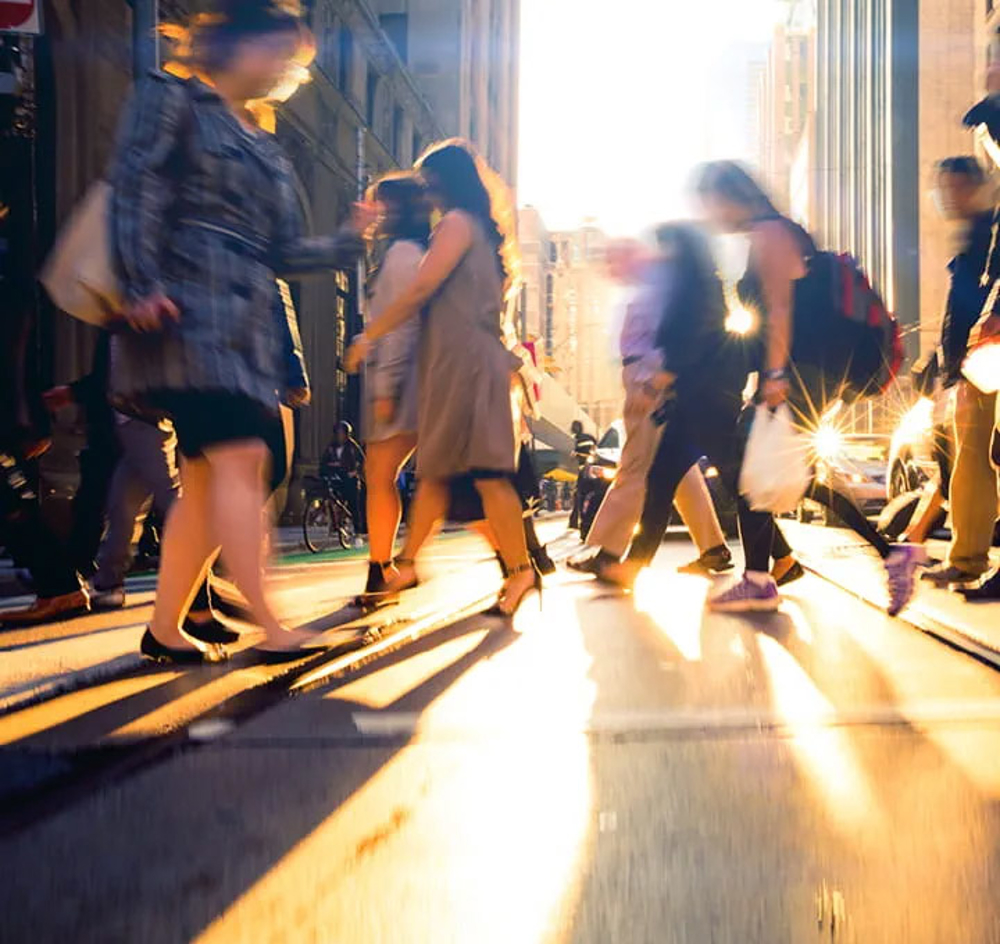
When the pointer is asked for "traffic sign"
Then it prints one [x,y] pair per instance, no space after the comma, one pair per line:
[20,16]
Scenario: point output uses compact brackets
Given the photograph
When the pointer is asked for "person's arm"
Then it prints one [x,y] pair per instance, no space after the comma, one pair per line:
[777,258]
[294,254]
[141,193]
[297,389]
[452,239]
[394,352]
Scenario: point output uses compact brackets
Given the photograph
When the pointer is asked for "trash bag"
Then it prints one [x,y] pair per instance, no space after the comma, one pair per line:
[776,470]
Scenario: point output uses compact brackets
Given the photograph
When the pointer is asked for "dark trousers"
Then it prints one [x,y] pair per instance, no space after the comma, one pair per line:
[25,534]
[97,466]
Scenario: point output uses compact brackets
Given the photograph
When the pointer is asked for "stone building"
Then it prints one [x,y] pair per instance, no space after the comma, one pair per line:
[365,111]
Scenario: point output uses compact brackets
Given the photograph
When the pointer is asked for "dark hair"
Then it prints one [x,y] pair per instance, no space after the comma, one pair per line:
[461,184]
[699,288]
[411,217]
[732,181]
[576,427]
[216,34]
[966,165]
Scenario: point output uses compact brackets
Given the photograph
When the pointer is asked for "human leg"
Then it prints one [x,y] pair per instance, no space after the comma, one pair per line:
[385,460]
[694,504]
[503,512]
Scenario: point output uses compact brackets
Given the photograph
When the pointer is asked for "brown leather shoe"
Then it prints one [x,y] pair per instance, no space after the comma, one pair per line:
[48,610]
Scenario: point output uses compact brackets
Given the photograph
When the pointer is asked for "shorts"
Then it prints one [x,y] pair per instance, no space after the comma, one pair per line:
[206,418]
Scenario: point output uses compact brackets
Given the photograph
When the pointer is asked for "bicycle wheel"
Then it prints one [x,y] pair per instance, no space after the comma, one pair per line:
[345,526]
[317,525]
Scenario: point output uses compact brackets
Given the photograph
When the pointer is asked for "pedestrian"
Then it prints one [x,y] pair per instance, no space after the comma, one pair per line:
[465,420]
[650,281]
[204,215]
[787,350]
[973,487]
[342,466]
[390,415]
[692,392]
[584,445]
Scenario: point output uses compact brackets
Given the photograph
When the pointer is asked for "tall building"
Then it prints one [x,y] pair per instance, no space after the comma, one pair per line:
[893,79]
[381,92]
[463,55]
[786,98]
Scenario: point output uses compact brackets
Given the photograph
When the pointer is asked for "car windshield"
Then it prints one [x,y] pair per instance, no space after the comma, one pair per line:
[610,439]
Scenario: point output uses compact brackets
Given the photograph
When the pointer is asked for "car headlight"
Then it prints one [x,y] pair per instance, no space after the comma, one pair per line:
[857,478]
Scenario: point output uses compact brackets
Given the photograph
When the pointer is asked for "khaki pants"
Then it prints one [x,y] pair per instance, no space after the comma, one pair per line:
[622,506]
[973,481]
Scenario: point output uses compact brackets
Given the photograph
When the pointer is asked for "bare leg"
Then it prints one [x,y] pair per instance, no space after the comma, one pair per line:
[384,462]
[184,554]
[924,515]
[503,512]
[430,505]
[237,496]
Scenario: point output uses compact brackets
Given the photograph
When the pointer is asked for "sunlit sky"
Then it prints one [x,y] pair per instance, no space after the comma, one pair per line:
[621,98]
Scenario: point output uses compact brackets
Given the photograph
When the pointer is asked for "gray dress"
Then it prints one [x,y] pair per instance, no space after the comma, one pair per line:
[465,418]
[391,369]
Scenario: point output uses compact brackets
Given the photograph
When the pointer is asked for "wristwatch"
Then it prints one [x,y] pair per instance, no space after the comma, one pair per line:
[777,373]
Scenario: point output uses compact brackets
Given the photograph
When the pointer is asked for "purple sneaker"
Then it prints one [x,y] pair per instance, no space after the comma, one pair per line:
[901,570]
[747,596]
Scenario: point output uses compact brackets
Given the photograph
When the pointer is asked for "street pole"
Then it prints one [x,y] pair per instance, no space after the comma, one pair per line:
[145,37]
[361,183]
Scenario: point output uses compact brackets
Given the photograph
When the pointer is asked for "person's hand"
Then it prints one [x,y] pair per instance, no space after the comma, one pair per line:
[57,398]
[150,314]
[364,215]
[384,409]
[775,392]
[357,353]
[298,396]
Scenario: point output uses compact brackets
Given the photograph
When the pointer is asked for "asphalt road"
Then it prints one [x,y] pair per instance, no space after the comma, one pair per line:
[619,769]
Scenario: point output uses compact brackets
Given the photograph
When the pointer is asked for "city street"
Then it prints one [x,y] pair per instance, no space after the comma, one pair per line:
[613,769]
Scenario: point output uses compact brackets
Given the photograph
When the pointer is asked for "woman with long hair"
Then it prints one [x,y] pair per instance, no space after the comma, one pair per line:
[788,352]
[401,239]
[204,217]
[465,419]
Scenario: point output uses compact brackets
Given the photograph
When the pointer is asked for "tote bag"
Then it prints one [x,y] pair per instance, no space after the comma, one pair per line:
[776,471]
[78,274]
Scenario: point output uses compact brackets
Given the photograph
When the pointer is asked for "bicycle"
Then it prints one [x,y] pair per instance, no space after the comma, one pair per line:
[327,517]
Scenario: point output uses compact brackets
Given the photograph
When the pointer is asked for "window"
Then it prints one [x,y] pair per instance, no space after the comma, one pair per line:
[553,253]
[550,298]
[396,27]
[345,61]
[370,94]
[397,134]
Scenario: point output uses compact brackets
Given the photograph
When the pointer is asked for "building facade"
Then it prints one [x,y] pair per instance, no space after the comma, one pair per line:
[365,111]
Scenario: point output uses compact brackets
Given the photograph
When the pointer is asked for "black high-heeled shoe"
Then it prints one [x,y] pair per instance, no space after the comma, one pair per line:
[412,584]
[536,586]
[210,631]
[153,649]
[376,593]
[543,563]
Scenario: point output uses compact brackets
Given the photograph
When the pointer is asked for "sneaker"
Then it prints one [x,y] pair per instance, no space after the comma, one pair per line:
[714,561]
[111,599]
[747,596]
[943,575]
[901,570]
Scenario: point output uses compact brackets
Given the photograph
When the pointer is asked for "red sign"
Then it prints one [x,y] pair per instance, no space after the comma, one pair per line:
[20,16]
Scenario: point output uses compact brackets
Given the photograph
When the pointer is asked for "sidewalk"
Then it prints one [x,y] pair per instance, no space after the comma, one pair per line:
[842,558]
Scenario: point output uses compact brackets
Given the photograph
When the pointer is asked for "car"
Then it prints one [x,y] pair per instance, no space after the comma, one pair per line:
[853,465]
[603,468]
[921,443]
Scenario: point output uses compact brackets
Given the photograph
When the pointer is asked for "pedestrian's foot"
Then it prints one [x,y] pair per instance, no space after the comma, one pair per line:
[48,610]
[757,594]
[111,599]
[901,570]
[405,578]
[945,574]
[206,628]
[522,581]
[284,641]
[589,562]
[787,570]
[986,590]
[182,650]
[714,561]
[377,592]
[621,574]
[543,563]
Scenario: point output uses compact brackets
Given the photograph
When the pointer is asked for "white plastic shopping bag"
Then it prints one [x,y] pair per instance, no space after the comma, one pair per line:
[776,470]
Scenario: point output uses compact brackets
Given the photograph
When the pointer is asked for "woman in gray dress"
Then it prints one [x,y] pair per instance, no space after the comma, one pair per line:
[465,421]
[204,216]
[390,413]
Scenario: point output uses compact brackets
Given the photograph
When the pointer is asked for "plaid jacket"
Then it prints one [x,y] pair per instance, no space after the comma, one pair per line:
[205,211]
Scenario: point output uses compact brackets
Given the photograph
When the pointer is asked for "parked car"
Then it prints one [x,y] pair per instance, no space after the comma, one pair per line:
[603,467]
[921,443]
[853,465]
